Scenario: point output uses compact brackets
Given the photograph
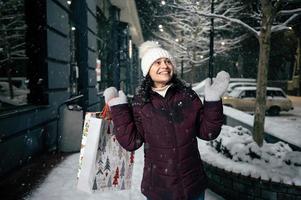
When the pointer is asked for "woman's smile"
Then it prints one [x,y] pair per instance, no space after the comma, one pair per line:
[161,72]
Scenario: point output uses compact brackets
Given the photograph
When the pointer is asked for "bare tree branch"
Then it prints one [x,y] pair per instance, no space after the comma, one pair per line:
[289,12]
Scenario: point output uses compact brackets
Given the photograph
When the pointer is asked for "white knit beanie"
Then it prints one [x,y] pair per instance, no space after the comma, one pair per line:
[149,52]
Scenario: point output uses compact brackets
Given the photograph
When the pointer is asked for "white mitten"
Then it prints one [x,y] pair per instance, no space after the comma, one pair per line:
[219,86]
[110,93]
[121,99]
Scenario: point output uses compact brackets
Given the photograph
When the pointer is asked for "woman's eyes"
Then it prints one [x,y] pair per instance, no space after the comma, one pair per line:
[165,61]
[168,61]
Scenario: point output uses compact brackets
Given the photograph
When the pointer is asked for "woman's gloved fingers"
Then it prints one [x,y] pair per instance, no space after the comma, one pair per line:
[120,99]
[110,93]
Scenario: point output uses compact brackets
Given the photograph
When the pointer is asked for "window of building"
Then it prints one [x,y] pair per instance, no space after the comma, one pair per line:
[13,58]
[74,70]
[104,51]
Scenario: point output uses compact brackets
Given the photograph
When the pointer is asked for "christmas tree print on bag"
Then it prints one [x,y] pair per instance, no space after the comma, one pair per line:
[111,165]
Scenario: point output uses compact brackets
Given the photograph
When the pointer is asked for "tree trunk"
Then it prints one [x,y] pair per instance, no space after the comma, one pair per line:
[263,65]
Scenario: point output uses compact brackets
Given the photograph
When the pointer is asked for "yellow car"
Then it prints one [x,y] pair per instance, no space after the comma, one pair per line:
[244,98]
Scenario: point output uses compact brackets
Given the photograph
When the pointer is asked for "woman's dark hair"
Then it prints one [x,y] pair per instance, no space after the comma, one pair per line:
[146,86]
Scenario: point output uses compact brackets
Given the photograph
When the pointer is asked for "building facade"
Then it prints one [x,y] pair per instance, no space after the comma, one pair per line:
[55,53]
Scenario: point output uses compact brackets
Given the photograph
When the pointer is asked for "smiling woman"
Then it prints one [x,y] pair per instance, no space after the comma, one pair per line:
[161,72]
[167,116]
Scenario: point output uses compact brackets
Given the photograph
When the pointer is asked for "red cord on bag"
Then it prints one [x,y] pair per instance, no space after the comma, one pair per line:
[105,114]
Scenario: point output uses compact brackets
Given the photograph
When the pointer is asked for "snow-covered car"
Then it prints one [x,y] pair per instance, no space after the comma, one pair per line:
[244,80]
[239,84]
[244,98]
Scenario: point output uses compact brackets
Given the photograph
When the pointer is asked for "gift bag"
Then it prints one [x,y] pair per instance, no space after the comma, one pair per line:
[103,164]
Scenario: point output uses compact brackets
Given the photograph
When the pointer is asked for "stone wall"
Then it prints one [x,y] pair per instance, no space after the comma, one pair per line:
[235,186]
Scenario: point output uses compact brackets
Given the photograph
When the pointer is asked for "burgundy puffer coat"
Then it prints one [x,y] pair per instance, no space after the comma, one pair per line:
[168,127]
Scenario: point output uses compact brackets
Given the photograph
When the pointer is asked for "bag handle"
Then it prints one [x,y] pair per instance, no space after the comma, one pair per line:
[105,114]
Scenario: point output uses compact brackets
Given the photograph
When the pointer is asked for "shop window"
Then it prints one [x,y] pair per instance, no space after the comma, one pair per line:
[13,58]
[104,68]
[74,71]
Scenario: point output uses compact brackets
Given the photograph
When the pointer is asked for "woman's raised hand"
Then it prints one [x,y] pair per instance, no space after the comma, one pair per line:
[214,91]
[113,98]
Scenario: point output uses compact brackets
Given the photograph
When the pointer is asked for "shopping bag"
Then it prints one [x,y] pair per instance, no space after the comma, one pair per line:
[103,164]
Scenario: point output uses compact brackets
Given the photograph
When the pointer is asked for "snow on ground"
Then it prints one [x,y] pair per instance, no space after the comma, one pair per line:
[61,184]
[240,154]
[283,127]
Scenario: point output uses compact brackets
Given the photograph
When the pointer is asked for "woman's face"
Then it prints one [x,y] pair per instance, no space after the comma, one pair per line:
[161,72]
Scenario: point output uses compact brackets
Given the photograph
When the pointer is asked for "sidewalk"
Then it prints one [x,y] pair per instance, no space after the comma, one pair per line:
[60,184]
[53,177]
[20,182]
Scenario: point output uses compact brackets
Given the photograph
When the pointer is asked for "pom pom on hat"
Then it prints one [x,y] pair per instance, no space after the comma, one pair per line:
[144,47]
[149,52]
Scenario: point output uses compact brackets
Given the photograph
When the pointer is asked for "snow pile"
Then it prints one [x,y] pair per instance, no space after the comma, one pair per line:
[234,150]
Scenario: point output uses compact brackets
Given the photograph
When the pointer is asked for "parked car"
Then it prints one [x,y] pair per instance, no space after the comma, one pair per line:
[239,84]
[244,98]
[240,80]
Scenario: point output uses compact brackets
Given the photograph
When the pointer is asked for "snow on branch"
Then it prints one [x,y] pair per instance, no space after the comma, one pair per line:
[289,12]
[284,25]
[233,20]
[222,16]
